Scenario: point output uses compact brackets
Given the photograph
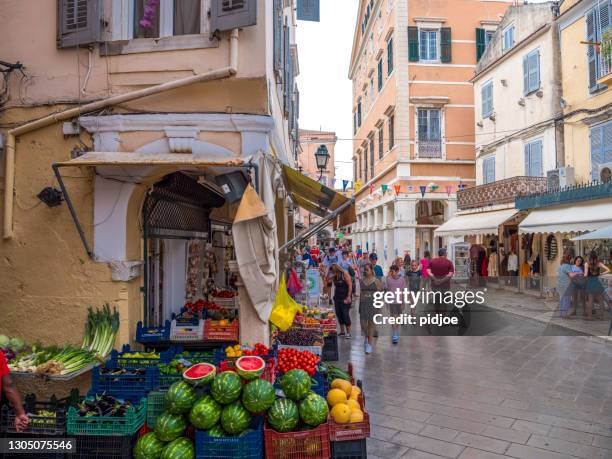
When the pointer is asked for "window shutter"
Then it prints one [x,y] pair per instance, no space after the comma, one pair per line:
[391,133]
[525,75]
[354,123]
[390,56]
[598,148]
[527,159]
[372,156]
[445,45]
[78,23]
[278,35]
[308,10]
[288,70]
[480,43]
[365,162]
[591,54]
[537,69]
[381,142]
[413,44]
[231,14]
[380,74]
[536,159]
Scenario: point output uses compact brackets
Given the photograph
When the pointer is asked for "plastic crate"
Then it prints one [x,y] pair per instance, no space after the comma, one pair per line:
[316,350]
[352,431]
[352,449]
[194,357]
[247,446]
[40,425]
[319,384]
[330,351]
[152,334]
[187,331]
[229,303]
[305,444]
[132,387]
[104,447]
[129,424]
[269,373]
[120,360]
[229,333]
[33,455]
[155,406]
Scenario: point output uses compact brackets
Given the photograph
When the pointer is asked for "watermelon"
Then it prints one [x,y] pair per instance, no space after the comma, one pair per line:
[258,396]
[314,410]
[148,447]
[181,448]
[235,419]
[216,431]
[205,413]
[200,374]
[283,415]
[180,398]
[250,367]
[226,387]
[296,384]
[170,426]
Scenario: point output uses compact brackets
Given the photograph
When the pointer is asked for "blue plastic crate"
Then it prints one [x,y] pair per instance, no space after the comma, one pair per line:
[118,359]
[194,356]
[318,386]
[247,446]
[127,386]
[153,334]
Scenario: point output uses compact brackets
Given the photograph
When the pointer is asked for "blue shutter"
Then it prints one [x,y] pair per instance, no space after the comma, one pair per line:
[390,56]
[537,160]
[596,150]
[308,10]
[525,75]
[591,23]
[278,35]
[488,170]
[480,43]
[380,74]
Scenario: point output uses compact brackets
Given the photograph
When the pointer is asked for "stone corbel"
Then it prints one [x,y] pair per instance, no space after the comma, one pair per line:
[123,271]
[181,138]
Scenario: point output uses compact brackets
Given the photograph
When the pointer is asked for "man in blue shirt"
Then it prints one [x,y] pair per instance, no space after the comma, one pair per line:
[378,271]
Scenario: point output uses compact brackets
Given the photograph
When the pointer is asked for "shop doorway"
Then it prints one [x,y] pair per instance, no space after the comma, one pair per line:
[429,215]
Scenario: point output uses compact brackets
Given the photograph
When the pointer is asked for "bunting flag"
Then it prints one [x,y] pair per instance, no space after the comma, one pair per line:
[384,188]
[344,184]
[410,188]
[461,186]
[397,189]
[433,188]
[423,189]
[371,188]
[358,186]
[449,188]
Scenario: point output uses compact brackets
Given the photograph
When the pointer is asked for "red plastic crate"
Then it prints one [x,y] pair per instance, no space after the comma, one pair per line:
[229,333]
[305,444]
[353,431]
[269,373]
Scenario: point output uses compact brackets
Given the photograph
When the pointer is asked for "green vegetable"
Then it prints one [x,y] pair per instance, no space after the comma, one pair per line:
[100,330]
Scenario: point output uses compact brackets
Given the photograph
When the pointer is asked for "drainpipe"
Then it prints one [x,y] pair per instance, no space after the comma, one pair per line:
[12,134]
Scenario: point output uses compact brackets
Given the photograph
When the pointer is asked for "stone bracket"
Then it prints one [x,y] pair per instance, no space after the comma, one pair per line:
[123,271]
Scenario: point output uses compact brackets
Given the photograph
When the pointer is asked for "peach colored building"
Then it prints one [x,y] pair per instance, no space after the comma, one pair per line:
[413,112]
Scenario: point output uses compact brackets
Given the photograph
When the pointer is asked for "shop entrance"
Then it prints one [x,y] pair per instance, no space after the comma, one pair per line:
[429,215]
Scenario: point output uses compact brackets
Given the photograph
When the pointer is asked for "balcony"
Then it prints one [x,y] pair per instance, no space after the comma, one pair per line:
[500,192]
[568,195]
[605,60]
[430,149]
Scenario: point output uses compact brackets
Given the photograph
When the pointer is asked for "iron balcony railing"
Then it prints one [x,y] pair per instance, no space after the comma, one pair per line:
[567,195]
[605,55]
[429,149]
[500,192]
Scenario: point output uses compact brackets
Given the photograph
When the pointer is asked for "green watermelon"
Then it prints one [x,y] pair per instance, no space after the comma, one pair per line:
[283,415]
[314,410]
[250,366]
[296,384]
[235,419]
[216,431]
[205,413]
[181,448]
[170,426]
[148,447]
[200,374]
[226,387]
[258,396]
[180,398]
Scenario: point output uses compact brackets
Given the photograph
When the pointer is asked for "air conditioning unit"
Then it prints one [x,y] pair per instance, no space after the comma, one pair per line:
[604,173]
[560,178]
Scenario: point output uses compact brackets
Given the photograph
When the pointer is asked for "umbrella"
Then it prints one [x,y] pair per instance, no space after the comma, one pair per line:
[601,233]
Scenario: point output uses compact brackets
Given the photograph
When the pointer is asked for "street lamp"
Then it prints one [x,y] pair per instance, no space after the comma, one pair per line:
[322,158]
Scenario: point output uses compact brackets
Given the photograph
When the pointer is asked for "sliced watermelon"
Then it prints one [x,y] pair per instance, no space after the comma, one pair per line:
[250,367]
[200,374]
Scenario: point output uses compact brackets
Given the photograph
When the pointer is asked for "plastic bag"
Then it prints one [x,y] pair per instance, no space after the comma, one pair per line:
[284,308]
[294,286]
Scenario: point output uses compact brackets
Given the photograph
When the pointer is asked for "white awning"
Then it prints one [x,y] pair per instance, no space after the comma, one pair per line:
[478,223]
[602,233]
[585,216]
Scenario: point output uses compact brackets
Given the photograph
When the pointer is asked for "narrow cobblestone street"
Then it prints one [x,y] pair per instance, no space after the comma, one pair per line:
[513,393]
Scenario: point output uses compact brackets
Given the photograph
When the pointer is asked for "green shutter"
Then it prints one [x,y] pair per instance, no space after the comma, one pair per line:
[480,43]
[413,44]
[445,45]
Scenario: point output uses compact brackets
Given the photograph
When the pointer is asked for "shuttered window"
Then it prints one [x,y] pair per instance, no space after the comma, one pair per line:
[372,156]
[533,159]
[601,147]
[365,162]
[446,54]
[391,131]
[486,94]
[488,170]
[390,56]
[428,45]
[231,14]
[354,123]
[381,142]
[413,44]
[359,113]
[531,72]
[278,36]
[508,38]
[380,74]
[597,23]
[308,10]
[480,43]
[78,23]
[359,165]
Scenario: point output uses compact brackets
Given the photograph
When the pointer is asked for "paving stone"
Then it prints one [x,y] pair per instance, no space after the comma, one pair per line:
[429,445]
[531,427]
[472,453]
[602,442]
[562,446]
[571,435]
[384,449]
[528,452]
[511,435]
[382,433]
[396,423]
[416,454]
[510,403]
[480,442]
[457,424]
[441,433]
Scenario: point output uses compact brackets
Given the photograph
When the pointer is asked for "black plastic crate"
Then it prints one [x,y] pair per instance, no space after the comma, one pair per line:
[330,348]
[104,447]
[25,437]
[352,449]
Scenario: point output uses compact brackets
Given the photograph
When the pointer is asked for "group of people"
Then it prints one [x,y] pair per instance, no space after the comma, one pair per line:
[353,277]
[578,281]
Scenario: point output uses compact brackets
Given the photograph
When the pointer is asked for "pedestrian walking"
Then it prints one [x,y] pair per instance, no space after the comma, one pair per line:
[369,284]
[440,270]
[378,271]
[343,290]
[564,286]
[396,284]
[425,261]
[407,259]
[8,388]
[413,279]
[594,268]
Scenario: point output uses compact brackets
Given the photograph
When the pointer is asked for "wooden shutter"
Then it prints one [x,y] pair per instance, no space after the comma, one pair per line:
[278,35]
[365,162]
[381,142]
[413,44]
[527,159]
[354,123]
[288,70]
[391,133]
[359,114]
[525,75]
[232,14]
[531,72]
[308,10]
[372,156]
[480,43]
[537,168]
[380,74]
[390,56]
[78,23]
[446,45]
[591,23]
[596,150]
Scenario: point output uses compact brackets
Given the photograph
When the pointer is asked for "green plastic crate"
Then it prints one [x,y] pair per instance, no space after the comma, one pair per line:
[129,424]
[155,406]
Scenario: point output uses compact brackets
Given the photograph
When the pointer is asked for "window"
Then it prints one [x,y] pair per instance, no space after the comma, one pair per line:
[182,18]
[391,133]
[359,113]
[390,56]
[488,170]
[380,74]
[354,123]
[601,147]
[365,162]
[428,45]
[488,36]
[486,94]
[598,23]
[359,165]
[372,155]
[355,177]
[531,72]
[372,89]
[429,133]
[483,38]
[381,141]
[533,159]
[508,38]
